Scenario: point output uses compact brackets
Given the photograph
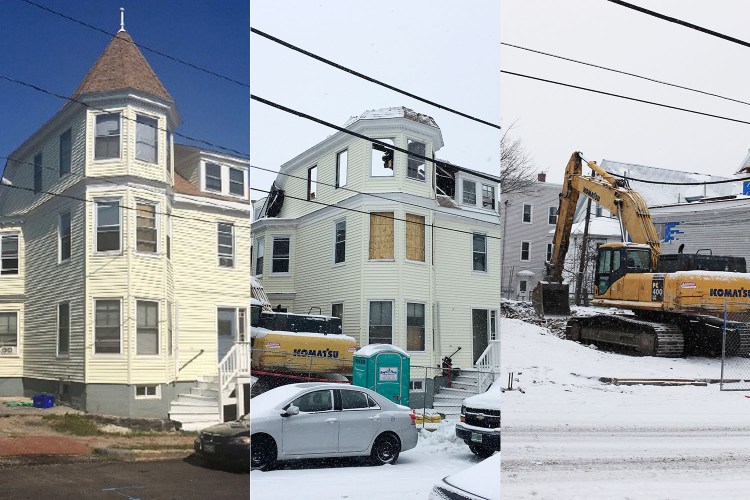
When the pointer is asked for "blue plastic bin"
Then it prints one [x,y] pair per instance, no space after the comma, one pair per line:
[43,400]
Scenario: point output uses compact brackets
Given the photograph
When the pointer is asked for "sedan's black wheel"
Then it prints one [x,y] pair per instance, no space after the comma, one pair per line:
[385,450]
[481,451]
[262,454]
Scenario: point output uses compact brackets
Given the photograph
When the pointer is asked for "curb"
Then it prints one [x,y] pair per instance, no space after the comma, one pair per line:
[128,455]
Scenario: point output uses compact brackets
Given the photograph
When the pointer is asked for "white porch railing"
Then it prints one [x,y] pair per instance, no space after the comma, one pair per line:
[236,362]
[488,364]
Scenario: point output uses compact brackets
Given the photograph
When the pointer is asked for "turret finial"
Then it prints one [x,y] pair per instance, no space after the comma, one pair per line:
[122,19]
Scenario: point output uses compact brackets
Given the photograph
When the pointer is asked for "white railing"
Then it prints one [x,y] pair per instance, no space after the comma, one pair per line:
[488,365]
[234,363]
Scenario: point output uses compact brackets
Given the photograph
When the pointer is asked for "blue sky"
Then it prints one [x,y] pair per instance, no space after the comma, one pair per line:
[55,53]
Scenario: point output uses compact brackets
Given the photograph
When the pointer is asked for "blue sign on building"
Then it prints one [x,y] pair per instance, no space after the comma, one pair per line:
[671,232]
[746,188]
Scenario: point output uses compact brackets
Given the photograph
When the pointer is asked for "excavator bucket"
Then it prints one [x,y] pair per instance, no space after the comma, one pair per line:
[551,299]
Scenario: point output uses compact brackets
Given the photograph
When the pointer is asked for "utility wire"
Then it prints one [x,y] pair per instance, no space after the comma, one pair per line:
[89,106]
[664,183]
[686,24]
[383,216]
[624,73]
[373,195]
[369,78]
[620,96]
[144,47]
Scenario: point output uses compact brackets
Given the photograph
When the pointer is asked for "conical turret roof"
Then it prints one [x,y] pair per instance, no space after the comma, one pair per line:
[122,66]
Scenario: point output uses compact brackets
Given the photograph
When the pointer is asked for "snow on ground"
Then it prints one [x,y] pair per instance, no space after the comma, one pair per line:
[438,454]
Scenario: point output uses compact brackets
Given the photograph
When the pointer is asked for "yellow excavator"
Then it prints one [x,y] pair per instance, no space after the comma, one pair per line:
[678,301]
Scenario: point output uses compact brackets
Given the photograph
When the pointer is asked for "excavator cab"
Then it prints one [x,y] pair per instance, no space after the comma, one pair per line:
[615,260]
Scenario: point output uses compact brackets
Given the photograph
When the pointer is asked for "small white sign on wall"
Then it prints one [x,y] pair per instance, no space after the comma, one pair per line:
[388,374]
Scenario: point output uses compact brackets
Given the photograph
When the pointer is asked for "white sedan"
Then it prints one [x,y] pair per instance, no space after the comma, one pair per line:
[317,420]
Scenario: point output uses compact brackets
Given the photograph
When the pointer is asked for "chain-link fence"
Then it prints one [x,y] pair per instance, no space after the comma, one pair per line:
[735,359]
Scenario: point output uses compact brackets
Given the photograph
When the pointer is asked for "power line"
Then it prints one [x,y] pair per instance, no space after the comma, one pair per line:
[664,183]
[628,98]
[686,24]
[77,101]
[369,78]
[373,195]
[624,73]
[144,47]
[383,216]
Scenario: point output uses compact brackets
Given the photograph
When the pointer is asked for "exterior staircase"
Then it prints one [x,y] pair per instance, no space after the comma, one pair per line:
[199,408]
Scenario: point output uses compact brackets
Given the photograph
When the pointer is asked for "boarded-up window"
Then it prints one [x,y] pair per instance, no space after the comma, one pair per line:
[415,237]
[381,235]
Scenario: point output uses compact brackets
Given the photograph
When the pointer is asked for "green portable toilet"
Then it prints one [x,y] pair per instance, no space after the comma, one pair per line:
[383,368]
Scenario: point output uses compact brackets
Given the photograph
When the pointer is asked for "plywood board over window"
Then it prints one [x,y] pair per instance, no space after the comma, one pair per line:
[415,237]
[381,235]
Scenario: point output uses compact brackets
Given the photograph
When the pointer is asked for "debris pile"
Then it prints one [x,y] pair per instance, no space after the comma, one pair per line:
[525,312]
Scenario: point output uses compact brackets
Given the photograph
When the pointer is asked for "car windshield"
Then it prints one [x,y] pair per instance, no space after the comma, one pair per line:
[273,398]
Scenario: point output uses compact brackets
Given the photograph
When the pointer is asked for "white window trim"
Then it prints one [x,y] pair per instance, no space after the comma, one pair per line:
[261,243]
[367,235]
[414,381]
[531,213]
[406,171]
[406,325]
[234,246]
[158,139]
[521,252]
[156,396]
[477,199]
[494,197]
[338,171]
[393,175]
[273,244]
[18,274]
[346,230]
[159,333]
[394,321]
[96,225]
[157,224]
[486,255]
[333,303]
[229,182]
[236,310]
[105,355]
[60,260]
[63,355]
[93,135]
[224,177]
[19,345]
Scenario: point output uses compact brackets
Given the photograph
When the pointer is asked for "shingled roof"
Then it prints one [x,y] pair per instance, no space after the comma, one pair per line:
[122,66]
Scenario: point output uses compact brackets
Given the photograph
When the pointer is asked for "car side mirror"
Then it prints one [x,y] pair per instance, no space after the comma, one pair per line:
[291,410]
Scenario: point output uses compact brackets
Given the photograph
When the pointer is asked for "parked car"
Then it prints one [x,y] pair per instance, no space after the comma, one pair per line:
[317,420]
[479,482]
[479,424]
[227,443]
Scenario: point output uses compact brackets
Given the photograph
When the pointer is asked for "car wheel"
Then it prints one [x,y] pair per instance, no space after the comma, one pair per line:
[262,454]
[385,450]
[481,451]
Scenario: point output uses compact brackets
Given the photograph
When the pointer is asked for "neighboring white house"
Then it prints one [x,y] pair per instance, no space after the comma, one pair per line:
[405,253]
[124,258]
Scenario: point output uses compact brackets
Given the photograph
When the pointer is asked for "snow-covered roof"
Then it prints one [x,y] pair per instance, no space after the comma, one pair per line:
[371,350]
[598,226]
[397,112]
[661,194]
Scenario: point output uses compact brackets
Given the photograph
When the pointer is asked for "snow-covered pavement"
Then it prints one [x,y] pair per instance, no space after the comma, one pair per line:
[438,454]
[571,436]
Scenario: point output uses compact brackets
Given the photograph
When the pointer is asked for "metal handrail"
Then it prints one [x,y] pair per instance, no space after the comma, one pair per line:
[191,360]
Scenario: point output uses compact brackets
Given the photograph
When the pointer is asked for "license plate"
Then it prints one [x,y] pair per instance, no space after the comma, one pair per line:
[211,448]
[476,437]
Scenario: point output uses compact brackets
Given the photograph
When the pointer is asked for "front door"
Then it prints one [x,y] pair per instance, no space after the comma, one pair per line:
[480,332]
[226,328]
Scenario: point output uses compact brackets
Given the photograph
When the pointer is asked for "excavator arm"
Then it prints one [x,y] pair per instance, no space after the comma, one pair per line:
[614,195]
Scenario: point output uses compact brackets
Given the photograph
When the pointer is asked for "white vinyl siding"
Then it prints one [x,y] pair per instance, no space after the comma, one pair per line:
[342,164]
[64,241]
[65,152]
[38,173]
[260,252]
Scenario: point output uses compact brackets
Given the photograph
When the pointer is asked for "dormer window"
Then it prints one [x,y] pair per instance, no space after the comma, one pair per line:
[145,139]
[469,192]
[488,196]
[382,159]
[415,167]
[107,139]
[236,181]
[213,177]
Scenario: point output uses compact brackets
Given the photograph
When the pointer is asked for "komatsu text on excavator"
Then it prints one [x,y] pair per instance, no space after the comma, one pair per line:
[678,301]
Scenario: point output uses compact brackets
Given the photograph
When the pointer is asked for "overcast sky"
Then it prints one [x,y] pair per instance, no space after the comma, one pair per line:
[445,51]
[554,121]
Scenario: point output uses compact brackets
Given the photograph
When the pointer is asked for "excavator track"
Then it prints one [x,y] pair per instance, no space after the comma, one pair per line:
[617,332]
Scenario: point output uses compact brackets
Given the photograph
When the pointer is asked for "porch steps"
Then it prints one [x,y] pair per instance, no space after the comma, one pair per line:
[199,408]
[448,400]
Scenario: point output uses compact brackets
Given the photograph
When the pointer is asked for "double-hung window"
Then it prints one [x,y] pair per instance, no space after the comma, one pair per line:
[415,168]
[8,254]
[147,333]
[225,236]
[469,192]
[259,253]
[488,196]
[64,236]
[65,152]
[8,333]
[38,173]
[526,214]
[107,226]
[550,248]
[147,233]
[280,257]
[146,145]
[479,252]
[552,216]
[213,177]
[339,251]
[415,327]
[341,168]
[236,181]
[525,250]
[381,322]
[63,328]
[107,137]
[107,330]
